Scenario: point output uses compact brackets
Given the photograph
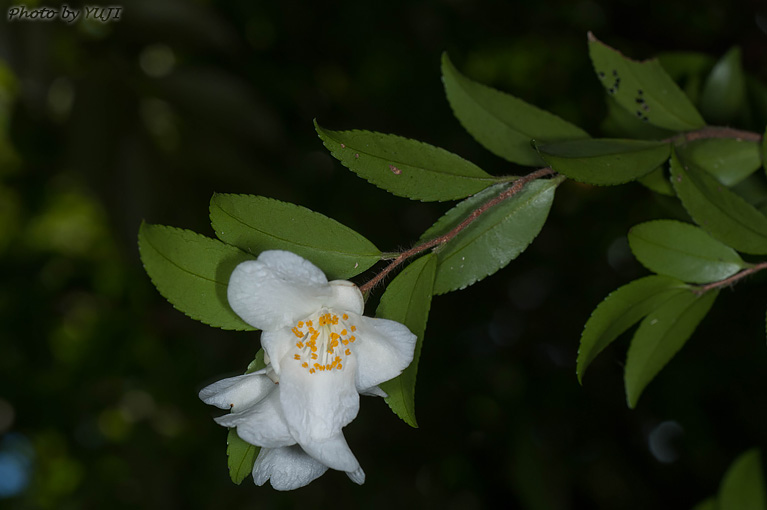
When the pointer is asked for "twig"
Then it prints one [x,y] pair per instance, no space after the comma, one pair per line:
[717,132]
[732,279]
[513,190]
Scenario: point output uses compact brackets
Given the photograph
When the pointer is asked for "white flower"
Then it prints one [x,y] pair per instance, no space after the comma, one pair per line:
[321,351]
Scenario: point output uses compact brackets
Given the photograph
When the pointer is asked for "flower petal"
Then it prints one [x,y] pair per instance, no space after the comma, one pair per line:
[277,345]
[288,468]
[384,350]
[357,476]
[262,424]
[335,453]
[346,296]
[373,391]
[237,393]
[276,290]
[318,405]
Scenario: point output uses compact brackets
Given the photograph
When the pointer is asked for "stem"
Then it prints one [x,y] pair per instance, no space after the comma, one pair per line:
[732,279]
[513,190]
[717,132]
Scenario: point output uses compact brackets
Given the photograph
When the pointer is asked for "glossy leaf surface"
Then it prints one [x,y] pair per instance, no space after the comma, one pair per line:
[192,272]
[743,486]
[719,211]
[660,335]
[644,89]
[493,240]
[407,300]
[255,224]
[604,162]
[724,91]
[404,167]
[502,123]
[683,251]
[620,310]
[728,159]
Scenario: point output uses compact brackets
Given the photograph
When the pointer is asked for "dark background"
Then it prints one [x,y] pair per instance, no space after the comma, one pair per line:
[104,125]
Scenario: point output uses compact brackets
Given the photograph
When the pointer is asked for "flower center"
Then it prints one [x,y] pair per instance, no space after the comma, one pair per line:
[324,341]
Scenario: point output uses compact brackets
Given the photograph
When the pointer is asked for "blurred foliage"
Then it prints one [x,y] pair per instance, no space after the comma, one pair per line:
[103,125]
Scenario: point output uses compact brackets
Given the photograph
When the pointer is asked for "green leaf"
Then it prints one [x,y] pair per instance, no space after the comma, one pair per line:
[255,224]
[407,300]
[687,69]
[683,64]
[493,240]
[620,310]
[763,152]
[192,272]
[240,456]
[502,123]
[728,159]
[707,504]
[621,123]
[724,91]
[756,97]
[683,251]
[657,181]
[644,89]
[404,167]
[257,364]
[604,162]
[720,212]
[743,485]
[660,335]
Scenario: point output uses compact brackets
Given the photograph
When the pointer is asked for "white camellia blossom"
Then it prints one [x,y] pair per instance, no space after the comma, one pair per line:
[321,353]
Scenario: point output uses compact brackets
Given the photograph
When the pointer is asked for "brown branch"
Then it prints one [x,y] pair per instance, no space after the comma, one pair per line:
[476,213]
[732,279]
[717,132]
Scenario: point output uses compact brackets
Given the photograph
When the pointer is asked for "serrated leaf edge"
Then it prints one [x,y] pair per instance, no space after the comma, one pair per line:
[142,239]
[288,241]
